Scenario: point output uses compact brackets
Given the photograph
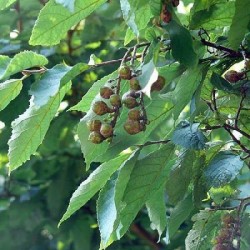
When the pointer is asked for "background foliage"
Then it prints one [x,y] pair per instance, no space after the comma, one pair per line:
[182,183]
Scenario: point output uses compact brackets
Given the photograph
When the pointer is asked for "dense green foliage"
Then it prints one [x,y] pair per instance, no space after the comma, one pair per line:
[124,124]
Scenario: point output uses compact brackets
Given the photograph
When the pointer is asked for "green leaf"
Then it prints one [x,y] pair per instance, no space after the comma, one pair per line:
[220,83]
[92,185]
[85,103]
[223,168]
[9,90]
[186,87]
[239,24]
[135,184]
[148,77]
[29,129]
[69,4]
[217,15]
[189,136]
[180,174]
[109,201]
[136,14]
[4,62]
[182,44]
[147,177]
[155,6]
[179,214]
[6,3]
[206,225]
[157,210]
[54,21]
[21,61]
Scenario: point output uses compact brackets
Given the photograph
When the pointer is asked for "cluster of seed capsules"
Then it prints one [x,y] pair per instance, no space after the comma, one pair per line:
[136,120]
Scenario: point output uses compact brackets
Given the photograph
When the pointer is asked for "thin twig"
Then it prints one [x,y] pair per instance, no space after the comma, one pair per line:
[239,110]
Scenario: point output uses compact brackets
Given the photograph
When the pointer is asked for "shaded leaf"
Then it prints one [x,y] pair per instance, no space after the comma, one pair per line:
[223,168]
[182,44]
[179,214]
[189,136]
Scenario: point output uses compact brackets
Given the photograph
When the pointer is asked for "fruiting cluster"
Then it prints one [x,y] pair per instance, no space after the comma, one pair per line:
[229,231]
[234,76]
[133,100]
[101,131]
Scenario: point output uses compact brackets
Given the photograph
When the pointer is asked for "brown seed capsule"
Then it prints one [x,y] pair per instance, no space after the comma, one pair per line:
[106,130]
[130,102]
[233,76]
[124,72]
[134,114]
[132,127]
[158,84]
[115,100]
[101,108]
[165,15]
[106,92]
[94,125]
[95,137]
[134,84]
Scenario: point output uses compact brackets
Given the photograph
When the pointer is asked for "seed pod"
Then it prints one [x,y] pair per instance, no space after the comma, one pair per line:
[101,108]
[95,137]
[158,84]
[106,92]
[115,100]
[132,127]
[124,72]
[134,114]
[94,125]
[106,130]
[130,102]
[134,84]
[165,15]
[233,76]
